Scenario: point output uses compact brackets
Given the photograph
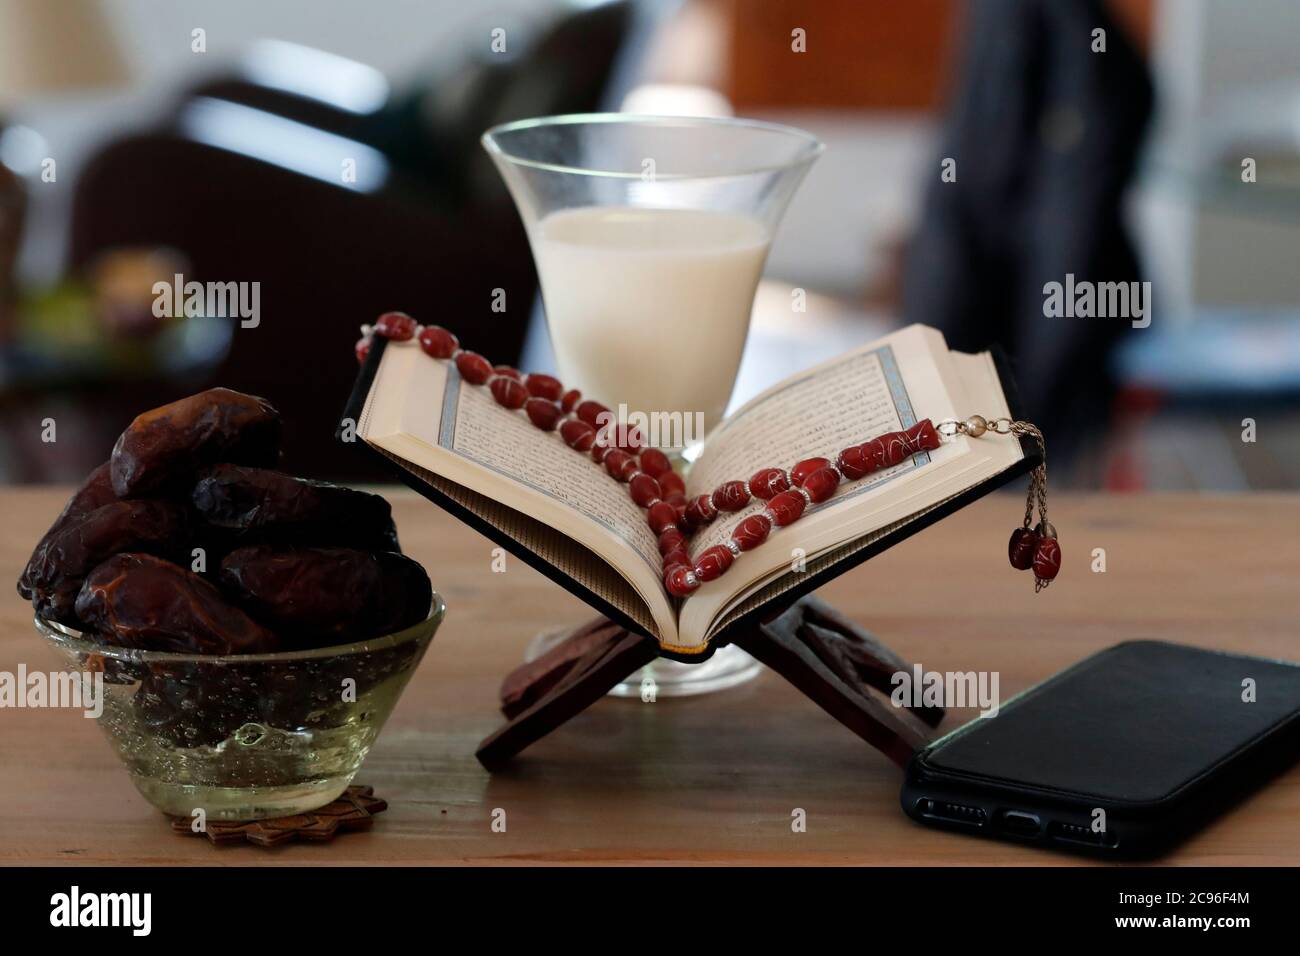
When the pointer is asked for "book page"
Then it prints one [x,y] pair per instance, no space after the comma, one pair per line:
[855,397]
[422,412]
[842,402]
[474,427]
[975,379]
[553,547]
[885,386]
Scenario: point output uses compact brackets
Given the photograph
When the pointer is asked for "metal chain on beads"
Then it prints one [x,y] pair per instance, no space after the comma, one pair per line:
[1037,494]
[1031,546]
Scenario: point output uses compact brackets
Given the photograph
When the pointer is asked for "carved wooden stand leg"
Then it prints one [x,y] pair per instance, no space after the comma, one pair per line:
[837,665]
[543,694]
[842,668]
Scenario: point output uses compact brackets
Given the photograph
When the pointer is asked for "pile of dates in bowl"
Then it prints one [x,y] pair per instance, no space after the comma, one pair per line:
[251,631]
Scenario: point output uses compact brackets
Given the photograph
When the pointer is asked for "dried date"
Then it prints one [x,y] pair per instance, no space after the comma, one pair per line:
[164,447]
[64,559]
[95,492]
[322,596]
[136,600]
[262,505]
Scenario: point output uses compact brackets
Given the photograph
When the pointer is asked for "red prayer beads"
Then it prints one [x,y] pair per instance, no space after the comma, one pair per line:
[585,426]
[473,367]
[577,435]
[438,342]
[786,508]
[821,484]
[1021,548]
[544,386]
[671,539]
[768,482]
[1047,559]
[730,496]
[620,465]
[661,516]
[752,531]
[508,392]
[671,483]
[590,412]
[397,326]
[655,463]
[700,511]
[804,468]
[713,562]
[644,489]
[1037,549]
[545,415]
[680,580]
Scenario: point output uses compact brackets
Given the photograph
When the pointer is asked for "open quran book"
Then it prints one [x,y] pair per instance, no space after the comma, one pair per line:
[564,514]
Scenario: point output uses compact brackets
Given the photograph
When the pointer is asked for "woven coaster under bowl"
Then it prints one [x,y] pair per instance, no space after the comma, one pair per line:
[353,810]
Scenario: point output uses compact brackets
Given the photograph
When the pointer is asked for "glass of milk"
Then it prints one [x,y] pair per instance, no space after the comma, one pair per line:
[649,235]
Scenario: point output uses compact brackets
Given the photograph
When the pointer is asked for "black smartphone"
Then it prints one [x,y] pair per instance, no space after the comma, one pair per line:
[1120,755]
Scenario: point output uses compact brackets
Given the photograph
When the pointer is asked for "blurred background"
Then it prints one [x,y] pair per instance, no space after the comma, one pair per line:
[141,139]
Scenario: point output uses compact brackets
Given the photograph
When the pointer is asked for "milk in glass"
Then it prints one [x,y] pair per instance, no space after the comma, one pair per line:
[650,307]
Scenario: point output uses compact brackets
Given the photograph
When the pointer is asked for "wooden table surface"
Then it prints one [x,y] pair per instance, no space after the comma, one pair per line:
[711,779]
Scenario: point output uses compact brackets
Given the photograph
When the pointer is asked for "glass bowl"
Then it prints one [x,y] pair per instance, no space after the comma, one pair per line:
[248,736]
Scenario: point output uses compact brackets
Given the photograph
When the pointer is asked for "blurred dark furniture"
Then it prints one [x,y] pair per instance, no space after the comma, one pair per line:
[246,179]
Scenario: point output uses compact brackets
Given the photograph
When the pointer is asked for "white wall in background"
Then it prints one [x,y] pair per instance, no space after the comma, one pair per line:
[398,37]
[1247,42]
[1209,56]
[861,195]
